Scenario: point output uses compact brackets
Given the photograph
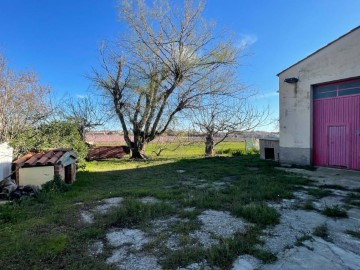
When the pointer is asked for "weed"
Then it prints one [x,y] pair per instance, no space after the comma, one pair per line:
[319,193]
[335,211]
[354,202]
[338,187]
[299,241]
[321,231]
[355,234]
[353,196]
[308,205]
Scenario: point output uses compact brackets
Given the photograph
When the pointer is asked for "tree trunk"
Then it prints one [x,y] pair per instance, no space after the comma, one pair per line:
[138,148]
[209,145]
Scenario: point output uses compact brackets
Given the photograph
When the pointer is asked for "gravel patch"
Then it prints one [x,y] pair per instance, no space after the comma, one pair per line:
[199,266]
[221,223]
[132,237]
[217,185]
[130,261]
[204,238]
[328,201]
[293,225]
[107,204]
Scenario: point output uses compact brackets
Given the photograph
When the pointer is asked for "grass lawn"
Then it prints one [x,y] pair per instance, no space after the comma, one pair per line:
[47,233]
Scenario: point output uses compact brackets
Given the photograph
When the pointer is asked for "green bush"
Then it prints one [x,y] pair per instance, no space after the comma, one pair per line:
[55,186]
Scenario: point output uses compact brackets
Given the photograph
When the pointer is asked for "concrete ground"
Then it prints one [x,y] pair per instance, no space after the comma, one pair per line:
[308,239]
[305,238]
[330,176]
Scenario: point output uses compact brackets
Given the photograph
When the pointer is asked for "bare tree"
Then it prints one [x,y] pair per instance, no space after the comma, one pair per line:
[23,101]
[218,118]
[170,52]
[86,112]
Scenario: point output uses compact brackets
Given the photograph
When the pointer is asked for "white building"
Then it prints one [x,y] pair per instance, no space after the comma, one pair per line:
[320,106]
[6,157]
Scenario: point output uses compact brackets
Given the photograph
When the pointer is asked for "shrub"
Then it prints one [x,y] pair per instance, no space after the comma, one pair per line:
[55,186]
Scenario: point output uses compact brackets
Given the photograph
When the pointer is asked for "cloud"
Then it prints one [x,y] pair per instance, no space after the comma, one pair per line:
[246,40]
[81,96]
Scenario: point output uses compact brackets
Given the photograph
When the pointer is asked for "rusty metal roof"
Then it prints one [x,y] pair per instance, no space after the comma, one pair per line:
[104,152]
[42,158]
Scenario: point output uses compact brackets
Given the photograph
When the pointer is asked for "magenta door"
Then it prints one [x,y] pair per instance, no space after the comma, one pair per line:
[337,146]
[336,124]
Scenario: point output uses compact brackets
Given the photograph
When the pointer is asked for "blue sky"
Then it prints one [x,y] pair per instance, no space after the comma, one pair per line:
[60,39]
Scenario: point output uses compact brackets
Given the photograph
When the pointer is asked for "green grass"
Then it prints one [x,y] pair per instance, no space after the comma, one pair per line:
[335,212]
[41,234]
[338,187]
[257,213]
[319,193]
[355,234]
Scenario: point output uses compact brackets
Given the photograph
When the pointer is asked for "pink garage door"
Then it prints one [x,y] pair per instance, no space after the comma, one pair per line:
[336,124]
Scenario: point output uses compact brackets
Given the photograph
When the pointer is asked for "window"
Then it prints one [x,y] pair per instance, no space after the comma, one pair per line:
[344,88]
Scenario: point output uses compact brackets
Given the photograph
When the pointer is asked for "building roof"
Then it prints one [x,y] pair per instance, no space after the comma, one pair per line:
[327,45]
[103,152]
[49,158]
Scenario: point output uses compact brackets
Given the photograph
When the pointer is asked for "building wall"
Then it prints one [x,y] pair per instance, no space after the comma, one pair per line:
[338,61]
[6,156]
[36,175]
